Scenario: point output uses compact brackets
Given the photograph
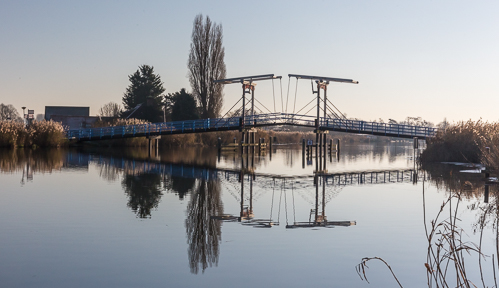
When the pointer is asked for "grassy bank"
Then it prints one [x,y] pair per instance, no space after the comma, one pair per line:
[39,133]
[471,142]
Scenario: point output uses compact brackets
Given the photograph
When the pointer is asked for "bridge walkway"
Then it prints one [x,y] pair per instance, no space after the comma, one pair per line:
[250,121]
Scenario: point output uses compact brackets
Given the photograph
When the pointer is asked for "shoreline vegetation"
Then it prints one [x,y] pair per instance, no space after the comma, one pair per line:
[37,134]
[468,142]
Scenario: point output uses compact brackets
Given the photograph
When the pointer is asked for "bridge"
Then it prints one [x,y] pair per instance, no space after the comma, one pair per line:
[252,121]
[331,120]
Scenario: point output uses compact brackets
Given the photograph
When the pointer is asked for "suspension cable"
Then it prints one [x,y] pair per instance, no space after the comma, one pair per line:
[296,91]
[287,97]
[282,107]
[232,107]
[337,109]
[306,105]
[263,105]
[273,93]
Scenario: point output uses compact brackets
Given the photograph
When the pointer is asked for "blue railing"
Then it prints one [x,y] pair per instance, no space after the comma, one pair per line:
[366,127]
[272,119]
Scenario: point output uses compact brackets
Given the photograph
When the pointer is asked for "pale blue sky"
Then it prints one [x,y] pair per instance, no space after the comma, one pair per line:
[432,59]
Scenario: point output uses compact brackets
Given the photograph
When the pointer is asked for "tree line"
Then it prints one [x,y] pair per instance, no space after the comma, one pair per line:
[144,98]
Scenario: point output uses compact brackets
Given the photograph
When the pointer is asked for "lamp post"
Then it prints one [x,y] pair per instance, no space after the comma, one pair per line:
[24,115]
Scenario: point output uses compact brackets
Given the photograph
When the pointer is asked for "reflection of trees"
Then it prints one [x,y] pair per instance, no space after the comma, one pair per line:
[109,172]
[144,192]
[180,186]
[203,233]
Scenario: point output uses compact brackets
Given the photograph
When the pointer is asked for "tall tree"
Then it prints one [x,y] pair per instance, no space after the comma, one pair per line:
[146,90]
[182,106]
[206,63]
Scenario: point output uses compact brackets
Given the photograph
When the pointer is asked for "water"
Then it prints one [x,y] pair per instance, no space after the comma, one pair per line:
[119,218]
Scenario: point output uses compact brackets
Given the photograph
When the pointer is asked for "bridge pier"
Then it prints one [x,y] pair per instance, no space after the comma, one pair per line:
[153,147]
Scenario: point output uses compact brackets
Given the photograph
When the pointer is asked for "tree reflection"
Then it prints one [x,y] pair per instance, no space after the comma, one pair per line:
[179,185]
[144,192]
[203,233]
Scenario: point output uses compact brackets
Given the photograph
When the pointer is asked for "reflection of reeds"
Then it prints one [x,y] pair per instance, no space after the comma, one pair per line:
[39,160]
[447,253]
[204,233]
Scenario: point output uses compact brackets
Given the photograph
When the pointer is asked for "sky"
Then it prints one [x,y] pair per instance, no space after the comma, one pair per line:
[429,59]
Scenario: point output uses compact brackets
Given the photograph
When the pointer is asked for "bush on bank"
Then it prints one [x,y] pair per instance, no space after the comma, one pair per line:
[472,142]
[39,133]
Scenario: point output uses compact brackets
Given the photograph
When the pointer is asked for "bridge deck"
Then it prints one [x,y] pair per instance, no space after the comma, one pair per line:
[261,120]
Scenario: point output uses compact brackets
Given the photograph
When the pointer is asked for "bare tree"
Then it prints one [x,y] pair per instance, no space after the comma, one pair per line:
[9,112]
[110,109]
[206,63]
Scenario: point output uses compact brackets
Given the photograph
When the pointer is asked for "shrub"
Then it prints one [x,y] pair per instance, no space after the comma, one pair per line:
[45,134]
[11,133]
[463,142]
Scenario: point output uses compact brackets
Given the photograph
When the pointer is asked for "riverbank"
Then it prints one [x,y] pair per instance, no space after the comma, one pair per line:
[470,142]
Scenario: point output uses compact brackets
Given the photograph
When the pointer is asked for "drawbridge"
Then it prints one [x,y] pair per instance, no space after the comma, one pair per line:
[327,117]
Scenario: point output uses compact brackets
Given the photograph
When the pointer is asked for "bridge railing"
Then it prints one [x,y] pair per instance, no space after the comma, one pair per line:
[215,124]
[280,119]
[154,128]
[378,128]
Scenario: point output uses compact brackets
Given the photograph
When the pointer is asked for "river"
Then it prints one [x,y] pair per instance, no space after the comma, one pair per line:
[190,217]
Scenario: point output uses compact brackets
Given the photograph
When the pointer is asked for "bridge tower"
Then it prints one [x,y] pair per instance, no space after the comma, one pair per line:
[248,85]
[320,134]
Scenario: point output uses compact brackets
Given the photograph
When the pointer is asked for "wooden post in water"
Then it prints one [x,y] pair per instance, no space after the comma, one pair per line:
[219,148]
[486,194]
[303,153]
[331,150]
[241,145]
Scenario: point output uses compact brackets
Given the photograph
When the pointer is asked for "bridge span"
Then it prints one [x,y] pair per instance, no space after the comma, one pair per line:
[252,121]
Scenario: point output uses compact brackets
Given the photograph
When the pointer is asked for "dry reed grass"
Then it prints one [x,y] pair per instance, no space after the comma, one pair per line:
[471,142]
[39,133]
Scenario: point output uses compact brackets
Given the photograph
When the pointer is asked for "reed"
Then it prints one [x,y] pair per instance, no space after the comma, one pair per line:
[38,133]
[12,133]
[449,256]
[463,142]
[45,134]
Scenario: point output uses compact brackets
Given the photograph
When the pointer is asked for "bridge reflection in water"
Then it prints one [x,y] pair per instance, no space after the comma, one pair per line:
[145,181]
[242,184]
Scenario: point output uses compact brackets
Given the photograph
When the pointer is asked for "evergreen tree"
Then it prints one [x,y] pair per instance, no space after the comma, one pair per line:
[146,90]
[182,106]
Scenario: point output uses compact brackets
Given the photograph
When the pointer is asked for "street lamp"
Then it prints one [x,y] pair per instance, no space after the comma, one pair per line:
[24,115]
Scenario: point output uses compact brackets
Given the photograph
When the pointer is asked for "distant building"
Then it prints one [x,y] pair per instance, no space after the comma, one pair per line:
[66,111]
[71,117]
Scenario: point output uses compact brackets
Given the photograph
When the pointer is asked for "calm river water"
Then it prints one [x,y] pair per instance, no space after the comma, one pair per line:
[191,218]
